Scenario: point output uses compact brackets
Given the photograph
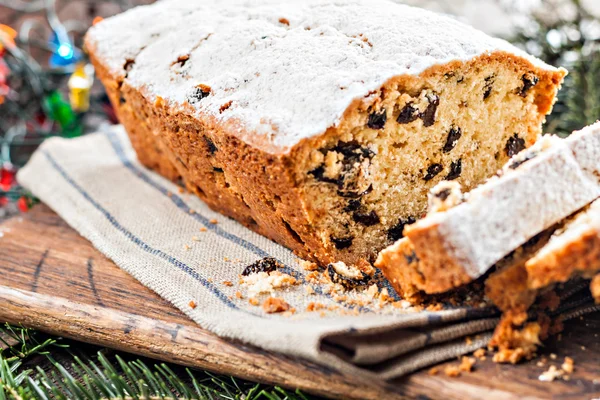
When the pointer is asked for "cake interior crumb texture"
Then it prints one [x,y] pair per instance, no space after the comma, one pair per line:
[320,124]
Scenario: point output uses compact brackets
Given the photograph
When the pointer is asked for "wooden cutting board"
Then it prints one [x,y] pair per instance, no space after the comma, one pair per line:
[52,279]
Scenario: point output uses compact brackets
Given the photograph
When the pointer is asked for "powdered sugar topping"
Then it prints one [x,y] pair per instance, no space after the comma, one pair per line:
[283,71]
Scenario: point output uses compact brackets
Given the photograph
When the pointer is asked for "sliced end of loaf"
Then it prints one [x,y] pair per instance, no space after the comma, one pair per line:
[364,180]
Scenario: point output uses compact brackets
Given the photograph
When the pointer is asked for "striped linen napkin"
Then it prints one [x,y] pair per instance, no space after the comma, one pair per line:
[193,257]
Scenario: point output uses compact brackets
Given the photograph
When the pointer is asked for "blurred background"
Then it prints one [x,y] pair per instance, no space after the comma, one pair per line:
[47,87]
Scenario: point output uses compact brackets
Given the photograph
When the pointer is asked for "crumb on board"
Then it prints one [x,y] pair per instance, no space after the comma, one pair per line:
[480,354]
[452,371]
[551,374]
[275,305]
[180,190]
[238,295]
[213,221]
[433,371]
[186,246]
[195,238]
[568,365]
[192,212]
[309,290]
[203,229]
[192,304]
[228,283]
[466,364]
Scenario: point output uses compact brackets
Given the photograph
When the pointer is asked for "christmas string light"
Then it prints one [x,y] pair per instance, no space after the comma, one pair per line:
[46,86]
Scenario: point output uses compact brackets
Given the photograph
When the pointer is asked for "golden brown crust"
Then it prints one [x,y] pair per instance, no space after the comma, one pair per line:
[400,266]
[441,270]
[576,257]
[595,288]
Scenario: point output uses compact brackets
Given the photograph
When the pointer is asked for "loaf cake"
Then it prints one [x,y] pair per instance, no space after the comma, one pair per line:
[535,190]
[321,124]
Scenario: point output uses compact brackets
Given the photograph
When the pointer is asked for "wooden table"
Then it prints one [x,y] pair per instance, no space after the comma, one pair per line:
[53,280]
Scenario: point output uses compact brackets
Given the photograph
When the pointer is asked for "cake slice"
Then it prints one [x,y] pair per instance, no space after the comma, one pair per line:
[321,124]
[535,190]
[573,250]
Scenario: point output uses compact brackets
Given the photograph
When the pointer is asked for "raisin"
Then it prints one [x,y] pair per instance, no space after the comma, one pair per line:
[129,63]
[197,94]
[353,151]
[319,174]
[377,121]
[411,258]
[212,149]
[342,243]
[514,145]
[428,116]
[397,231]
[517,163]
[433,171]
[443,194]
[408,114]
[455,170]
[353,205]
[367,219]
[452,140]
[217,169]
[347,282]
[489,83]
[267,264]
[529,81]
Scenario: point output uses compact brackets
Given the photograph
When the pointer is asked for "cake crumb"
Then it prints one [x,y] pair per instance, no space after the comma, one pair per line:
[466,364]
[254,301]
[192,304]
[468,341]
[309,265]
[227,283]
[452,371]
[213,221]
[551,374]
[284,21]
[192,212]
[309,290]
[372,291]
[238,294]
[553,356]
[480,354]
[433,371]
[203,229]
[180,190]
[568,365]
[195,238]
[313,306]
[186,246]
[267,282]
[275,305]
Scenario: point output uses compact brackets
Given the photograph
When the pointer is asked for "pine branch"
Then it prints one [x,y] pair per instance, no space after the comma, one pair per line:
[102,378]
